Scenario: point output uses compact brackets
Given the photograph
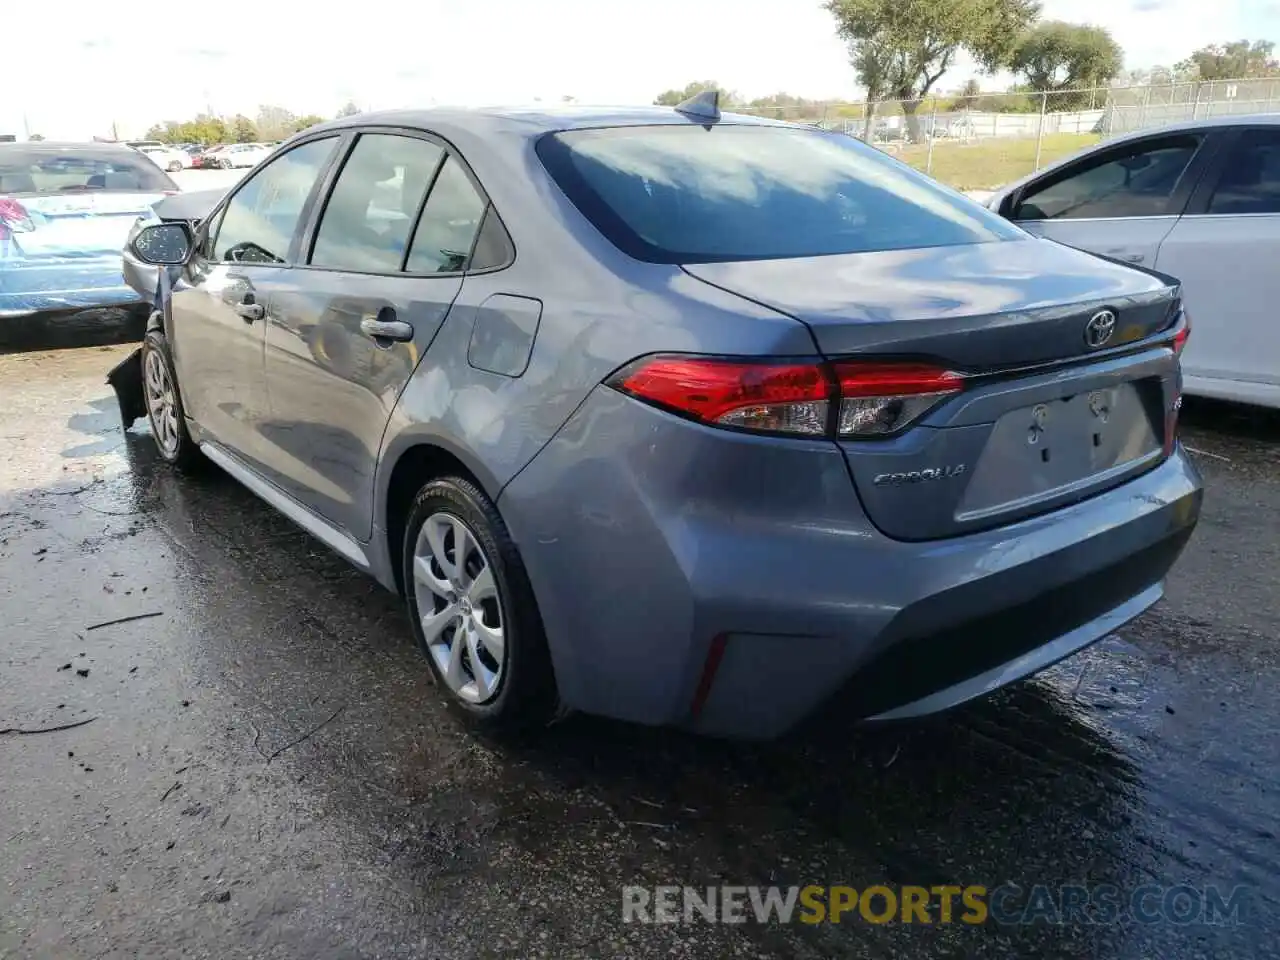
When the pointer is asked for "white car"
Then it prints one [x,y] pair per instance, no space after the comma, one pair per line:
[1199,201]
[243,155]
[167,158]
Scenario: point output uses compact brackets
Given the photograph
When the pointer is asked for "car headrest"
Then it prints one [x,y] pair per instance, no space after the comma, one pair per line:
[17,183]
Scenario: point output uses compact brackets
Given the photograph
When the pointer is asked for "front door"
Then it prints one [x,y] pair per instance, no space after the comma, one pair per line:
[1226,252]
[1121,202]
[221,299]
[348,329]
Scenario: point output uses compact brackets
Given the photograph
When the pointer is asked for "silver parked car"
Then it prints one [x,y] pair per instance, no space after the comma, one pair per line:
[1197,200]
[677,417]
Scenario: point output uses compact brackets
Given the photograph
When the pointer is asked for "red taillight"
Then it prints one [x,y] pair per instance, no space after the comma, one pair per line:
[878,399]
[710,666]
[773,397]
[14,216]
[1184,333]
[874,399]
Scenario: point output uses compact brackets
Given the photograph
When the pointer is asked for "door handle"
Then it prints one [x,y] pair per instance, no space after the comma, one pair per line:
[386,329]
[250,312]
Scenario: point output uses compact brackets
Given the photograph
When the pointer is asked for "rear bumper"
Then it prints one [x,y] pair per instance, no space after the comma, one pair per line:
[67,304]
[647,537]
[59,285]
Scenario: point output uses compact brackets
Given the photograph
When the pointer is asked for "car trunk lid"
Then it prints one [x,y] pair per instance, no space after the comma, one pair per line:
[1053,404]
[978,306]
[89,223]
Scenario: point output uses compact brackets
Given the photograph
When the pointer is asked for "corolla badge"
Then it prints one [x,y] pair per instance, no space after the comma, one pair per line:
[919,476]
[1100,328]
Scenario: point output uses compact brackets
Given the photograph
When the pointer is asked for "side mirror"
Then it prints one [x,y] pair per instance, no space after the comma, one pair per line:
[163,244]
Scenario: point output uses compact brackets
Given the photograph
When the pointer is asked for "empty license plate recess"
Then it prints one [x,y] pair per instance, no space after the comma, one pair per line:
[1058,447]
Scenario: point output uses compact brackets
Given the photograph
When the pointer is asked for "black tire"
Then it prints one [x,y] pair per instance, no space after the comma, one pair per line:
[182,451]
[525,698]
[175,166]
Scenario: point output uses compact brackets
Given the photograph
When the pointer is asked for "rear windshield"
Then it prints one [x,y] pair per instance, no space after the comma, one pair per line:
[23,170]
[686,194]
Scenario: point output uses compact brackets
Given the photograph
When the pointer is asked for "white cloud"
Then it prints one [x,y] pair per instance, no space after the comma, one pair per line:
[74,76]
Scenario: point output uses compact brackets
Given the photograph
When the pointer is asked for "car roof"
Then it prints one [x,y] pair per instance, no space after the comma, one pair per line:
[1183,126]
[61,147]
[1230,120]
[531,121]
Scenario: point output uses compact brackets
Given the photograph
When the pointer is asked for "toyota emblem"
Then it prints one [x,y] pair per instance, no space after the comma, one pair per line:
[1100,328]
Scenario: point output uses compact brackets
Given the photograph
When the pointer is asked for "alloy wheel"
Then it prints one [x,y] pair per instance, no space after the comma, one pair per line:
[460,607]
[161,403]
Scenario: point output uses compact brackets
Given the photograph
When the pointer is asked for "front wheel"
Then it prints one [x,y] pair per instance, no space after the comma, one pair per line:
[175,166]
[472,608]
[226,164]
[165,412]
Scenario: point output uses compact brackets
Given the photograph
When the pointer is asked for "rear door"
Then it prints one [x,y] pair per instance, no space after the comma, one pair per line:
[220,302]
[1120,202]
[387,256]
[1226,250]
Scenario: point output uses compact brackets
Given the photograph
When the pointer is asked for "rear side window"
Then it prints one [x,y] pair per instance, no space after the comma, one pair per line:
[1250,181]
[450,220]
[366,224]
[685,194]
[1140,181]
[493,248]
[53,170]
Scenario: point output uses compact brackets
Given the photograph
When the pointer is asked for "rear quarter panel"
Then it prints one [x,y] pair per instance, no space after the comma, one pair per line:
[600,310]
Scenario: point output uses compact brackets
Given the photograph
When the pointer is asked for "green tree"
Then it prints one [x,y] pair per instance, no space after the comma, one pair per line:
[1066,60]
[349,109]
[969,94]
[1238,60]
[901,48]
[672,98]
[275,123]
[786,106]
[201,129]
[301,123]
[243,130]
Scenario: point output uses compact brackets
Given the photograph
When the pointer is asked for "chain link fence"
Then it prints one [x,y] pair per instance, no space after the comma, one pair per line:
[982,142]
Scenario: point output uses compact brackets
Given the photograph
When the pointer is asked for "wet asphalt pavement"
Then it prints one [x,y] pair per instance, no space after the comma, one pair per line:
[268,771]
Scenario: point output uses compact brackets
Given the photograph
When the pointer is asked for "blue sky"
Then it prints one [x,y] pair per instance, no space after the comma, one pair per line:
[73,72]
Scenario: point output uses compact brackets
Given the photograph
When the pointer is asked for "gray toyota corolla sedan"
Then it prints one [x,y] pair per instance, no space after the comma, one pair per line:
[674,416]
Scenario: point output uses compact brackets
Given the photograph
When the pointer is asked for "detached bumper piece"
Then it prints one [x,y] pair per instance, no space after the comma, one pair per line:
[125,379]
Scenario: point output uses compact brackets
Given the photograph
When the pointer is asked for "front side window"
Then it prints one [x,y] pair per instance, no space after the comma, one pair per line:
[683,194]
[366,223]
[1138,182]
[1250,181]
[258,223]
[450,220]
